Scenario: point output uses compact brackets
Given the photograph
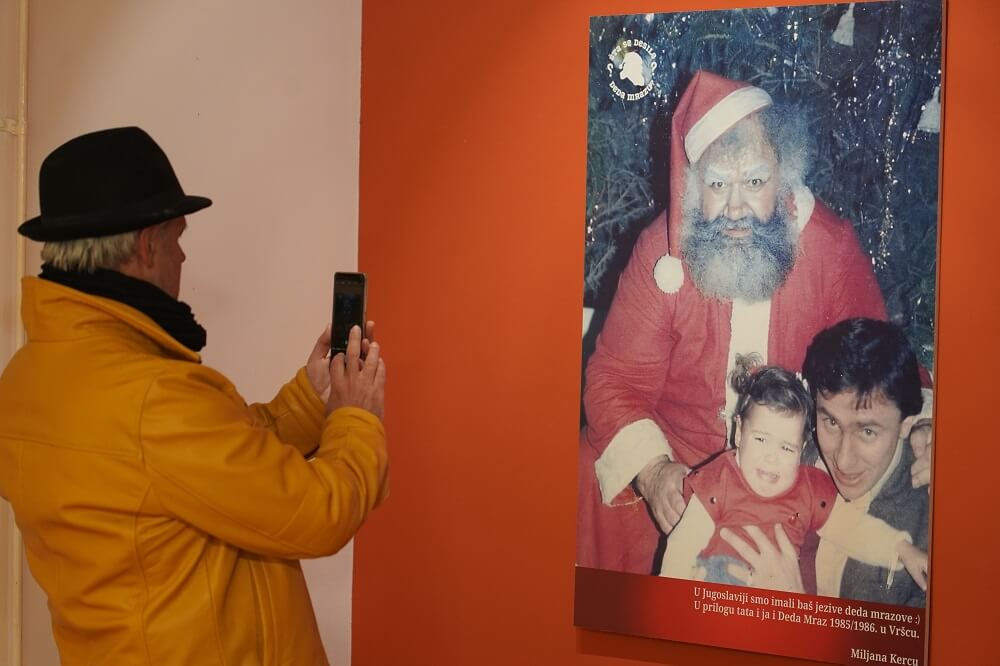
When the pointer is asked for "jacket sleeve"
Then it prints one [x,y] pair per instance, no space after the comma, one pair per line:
[295,415]
[862,536]
[211,465]
[625,374]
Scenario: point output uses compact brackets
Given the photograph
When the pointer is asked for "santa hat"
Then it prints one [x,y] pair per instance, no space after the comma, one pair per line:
[710,105]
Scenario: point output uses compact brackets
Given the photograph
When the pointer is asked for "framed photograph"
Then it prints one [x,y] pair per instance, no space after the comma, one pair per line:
[758,332]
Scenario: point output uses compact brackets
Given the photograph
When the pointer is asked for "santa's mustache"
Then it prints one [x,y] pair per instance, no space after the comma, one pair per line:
[716,228]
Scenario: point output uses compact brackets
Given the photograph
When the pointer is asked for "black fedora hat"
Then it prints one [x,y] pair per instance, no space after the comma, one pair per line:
[105,183]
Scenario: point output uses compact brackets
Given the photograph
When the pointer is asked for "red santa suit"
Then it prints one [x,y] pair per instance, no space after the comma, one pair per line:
[656,383]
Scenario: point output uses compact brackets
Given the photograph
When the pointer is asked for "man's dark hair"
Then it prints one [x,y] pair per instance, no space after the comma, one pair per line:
[869,357]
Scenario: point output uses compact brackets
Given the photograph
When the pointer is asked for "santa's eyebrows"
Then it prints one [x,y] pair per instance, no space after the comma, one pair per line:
[713,174]
[761,170]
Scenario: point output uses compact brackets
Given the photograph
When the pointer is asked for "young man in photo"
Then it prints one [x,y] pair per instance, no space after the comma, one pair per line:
[865,380]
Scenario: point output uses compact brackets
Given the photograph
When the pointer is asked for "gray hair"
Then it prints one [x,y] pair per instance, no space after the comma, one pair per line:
[89,254]
[787,130]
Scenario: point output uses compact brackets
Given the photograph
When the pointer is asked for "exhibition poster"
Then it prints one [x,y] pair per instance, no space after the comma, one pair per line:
[761,238]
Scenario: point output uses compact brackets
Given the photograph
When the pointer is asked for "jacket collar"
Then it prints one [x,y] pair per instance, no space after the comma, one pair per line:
[51,312]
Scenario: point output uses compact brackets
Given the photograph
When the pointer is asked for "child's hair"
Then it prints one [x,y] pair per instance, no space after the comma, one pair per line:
[774,387]
[868,357]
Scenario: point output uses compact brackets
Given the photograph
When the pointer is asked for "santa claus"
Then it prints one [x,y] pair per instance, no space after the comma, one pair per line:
[745,261]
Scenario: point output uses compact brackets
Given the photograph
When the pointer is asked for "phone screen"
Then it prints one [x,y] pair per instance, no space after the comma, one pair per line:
[348,307]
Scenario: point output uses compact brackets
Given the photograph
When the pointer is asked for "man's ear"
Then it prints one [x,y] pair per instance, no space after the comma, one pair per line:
[907,426]
[144,247]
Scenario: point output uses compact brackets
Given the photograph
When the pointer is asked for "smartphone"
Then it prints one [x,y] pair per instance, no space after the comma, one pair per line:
[349,298]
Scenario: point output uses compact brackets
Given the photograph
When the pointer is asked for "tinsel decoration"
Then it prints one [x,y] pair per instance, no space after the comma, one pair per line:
[844,34]
[930,117]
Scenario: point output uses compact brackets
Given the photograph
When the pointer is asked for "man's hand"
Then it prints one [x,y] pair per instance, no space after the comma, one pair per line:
[921,439]
[915,561]
[661,483]
[318,363]
[770,568]
[357,383]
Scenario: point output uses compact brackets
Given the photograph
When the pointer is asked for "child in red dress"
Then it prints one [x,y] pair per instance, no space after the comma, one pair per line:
[763,482]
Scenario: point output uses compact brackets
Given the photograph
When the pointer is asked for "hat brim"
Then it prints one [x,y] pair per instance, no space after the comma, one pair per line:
[45,228]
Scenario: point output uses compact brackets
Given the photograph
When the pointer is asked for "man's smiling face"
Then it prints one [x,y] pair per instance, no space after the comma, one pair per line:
[857,440]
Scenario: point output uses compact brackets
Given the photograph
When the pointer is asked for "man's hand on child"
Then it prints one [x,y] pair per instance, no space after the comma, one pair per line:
[915,561]
[661,484]
[770,568]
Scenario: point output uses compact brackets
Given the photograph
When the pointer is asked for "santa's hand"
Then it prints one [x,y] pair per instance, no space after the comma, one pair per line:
[661,483]
[770,568]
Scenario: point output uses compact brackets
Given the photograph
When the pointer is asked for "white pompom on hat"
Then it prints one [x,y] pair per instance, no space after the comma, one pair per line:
[669,274]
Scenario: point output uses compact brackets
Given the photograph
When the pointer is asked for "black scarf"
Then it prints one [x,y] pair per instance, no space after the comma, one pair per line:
[175,317]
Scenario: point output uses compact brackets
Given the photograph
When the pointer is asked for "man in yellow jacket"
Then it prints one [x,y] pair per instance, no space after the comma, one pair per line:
[162,515]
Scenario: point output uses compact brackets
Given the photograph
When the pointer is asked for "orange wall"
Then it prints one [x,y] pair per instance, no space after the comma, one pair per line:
[472,192]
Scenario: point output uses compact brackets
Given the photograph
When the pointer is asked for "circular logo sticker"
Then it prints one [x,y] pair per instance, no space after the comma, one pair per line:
[630,70]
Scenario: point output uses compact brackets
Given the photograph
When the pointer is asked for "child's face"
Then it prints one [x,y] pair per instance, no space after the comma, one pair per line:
[770,445]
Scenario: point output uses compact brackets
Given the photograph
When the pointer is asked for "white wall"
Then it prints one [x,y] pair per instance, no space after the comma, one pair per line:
[9,321]
[257,103]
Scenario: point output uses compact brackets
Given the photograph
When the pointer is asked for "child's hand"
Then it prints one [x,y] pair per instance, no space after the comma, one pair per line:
[915,561]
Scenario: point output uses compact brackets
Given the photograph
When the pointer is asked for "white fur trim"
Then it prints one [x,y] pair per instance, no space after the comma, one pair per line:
[588,315]
[669,274]
[749,326]
[927,410]
[805,203]
[732,108]
[629,451]
[692,534]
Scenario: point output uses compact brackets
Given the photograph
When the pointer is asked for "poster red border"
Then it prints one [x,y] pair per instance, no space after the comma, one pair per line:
[837,631]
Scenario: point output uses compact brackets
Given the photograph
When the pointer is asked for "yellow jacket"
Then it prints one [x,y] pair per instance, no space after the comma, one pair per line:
[163,516]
